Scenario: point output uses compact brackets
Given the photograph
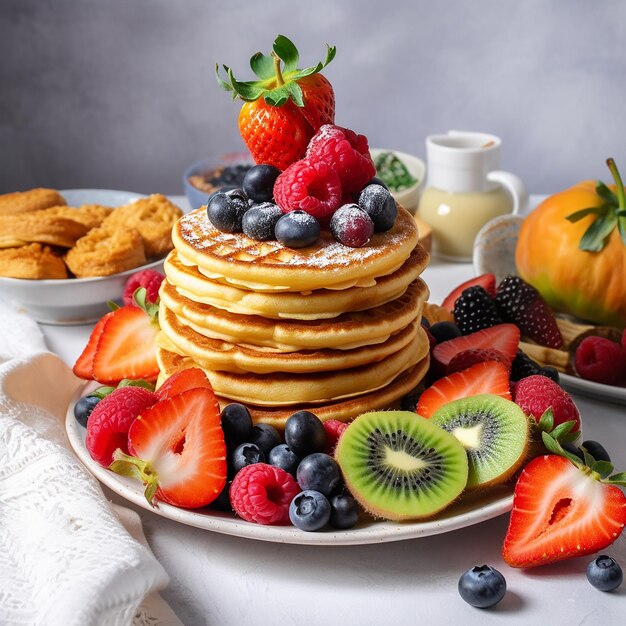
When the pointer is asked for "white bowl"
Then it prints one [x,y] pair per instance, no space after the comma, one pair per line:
[408,198]
[73,300]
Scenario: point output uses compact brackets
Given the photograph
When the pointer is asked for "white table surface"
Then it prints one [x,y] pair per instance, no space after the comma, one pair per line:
[218,579]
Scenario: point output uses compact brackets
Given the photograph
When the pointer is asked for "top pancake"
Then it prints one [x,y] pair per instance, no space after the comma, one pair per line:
[269,266]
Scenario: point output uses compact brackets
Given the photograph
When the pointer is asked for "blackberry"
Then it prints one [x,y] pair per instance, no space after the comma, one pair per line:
[550,372]
[475,310]
[523,366]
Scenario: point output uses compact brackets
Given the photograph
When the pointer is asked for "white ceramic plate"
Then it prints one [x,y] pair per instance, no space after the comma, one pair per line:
[464,513]
[606,393]
[73,300]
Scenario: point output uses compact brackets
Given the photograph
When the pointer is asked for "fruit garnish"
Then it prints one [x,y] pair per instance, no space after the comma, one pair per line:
[604,573]
[563,508]
[475,309]
[470,357]
[522,304]
[380,205]
[351,226]
[334,429]
[393,172]
[305,433]
[259,222]
[297,229]
[523,366]
[108,424]
[262,494]
[482,586]
[400,466]
[319,472]
[601,360]
[189,378]
[313,187]
[150,280]
[178,450]
[486,281]
[346,152]
[83,368]
[503,337]
[286,105]
[236,424]
[488,377]
[258,183]
[494,432]
[225,210]
[536,394]
[309,511]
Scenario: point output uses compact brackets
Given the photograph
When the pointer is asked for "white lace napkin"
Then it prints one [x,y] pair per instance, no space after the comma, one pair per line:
[67,557]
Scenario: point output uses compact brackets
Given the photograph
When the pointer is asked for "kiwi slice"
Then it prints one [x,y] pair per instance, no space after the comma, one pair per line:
[399,465]
[493,430]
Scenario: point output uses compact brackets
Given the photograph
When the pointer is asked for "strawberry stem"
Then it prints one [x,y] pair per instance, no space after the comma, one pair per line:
[621,195]
[280,81]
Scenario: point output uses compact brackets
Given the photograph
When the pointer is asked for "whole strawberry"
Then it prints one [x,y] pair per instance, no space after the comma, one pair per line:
[285,107]
[520,303]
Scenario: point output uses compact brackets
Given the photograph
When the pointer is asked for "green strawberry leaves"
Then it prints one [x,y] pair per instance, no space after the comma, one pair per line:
[562,433]
[277,75]
[610,214]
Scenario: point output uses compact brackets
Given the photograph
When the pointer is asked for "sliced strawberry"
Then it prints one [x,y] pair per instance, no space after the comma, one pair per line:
[178,450]
[470,357]
[502,337]
[126,347]
[83,367]
[487,377]
[190,378]
[486,281]
[559,512]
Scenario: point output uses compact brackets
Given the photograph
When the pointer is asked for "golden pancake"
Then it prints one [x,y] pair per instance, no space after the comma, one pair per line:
[280,389]
[319,304]
[386,398]
[269,266]
[345,332]
[215,354]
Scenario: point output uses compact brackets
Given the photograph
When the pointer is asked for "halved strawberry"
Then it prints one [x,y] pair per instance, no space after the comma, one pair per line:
[502,337]
[562,511]
[487,377]
[178,450]
[126,347]
[83,367]
[470,357]
[190,378]
[486,281]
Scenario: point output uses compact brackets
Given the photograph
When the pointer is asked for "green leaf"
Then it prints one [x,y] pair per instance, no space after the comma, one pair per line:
[562,429]
[278,96]
[604,468]
[288,52]
[151,489]
[246,91]
[295,92]
[569,437]
[262,65]
[129,382]
[220,81]
[113,306]
[595,236]
[546,422]
[331,51]
[616,479]
[578,215]
[553,446]
[102,392]
[605,193]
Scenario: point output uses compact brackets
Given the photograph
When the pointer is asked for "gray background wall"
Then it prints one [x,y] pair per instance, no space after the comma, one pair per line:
[120,93]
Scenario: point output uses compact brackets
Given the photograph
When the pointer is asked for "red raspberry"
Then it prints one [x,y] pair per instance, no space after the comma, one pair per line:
[601,360]
[261,493]
[108,424]
[624,339]
[470,357]
[150,279]
[310,186]
[334,429]
[346,152]
[534,394]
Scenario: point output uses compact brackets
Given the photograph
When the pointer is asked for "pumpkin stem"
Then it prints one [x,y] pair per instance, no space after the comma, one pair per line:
[621,195]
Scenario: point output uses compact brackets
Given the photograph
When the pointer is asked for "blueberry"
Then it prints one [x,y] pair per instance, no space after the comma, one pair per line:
[236,424]
[550,372]
[409,401]
[319,472]
[83,409]
[309,510]
[297,229]
[260,220]
[604,573]
[351,226]
[596,450]
[226,210]
[225,189]
[442,331]
[482,586]
[246,454]
[377,181]
[379,204]
[222,502]
[258,183]
[305,433]
[572,449]
[284,457]
[264,436]
[344,511]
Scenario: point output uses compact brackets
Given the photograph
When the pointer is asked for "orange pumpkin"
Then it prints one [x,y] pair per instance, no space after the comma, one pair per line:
[589,285]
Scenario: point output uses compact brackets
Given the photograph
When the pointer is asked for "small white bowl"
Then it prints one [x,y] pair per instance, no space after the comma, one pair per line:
[408,198]
[73,300]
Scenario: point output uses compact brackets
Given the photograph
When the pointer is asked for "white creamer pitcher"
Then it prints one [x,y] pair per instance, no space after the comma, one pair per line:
[465,189]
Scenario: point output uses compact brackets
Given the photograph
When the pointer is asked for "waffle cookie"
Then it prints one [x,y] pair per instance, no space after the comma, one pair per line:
[20,202]
[32,261]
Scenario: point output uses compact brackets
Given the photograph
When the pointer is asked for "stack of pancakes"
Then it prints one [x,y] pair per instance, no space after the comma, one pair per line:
[327,328]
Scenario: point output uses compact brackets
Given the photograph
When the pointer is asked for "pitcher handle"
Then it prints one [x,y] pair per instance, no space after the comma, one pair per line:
[515,187]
